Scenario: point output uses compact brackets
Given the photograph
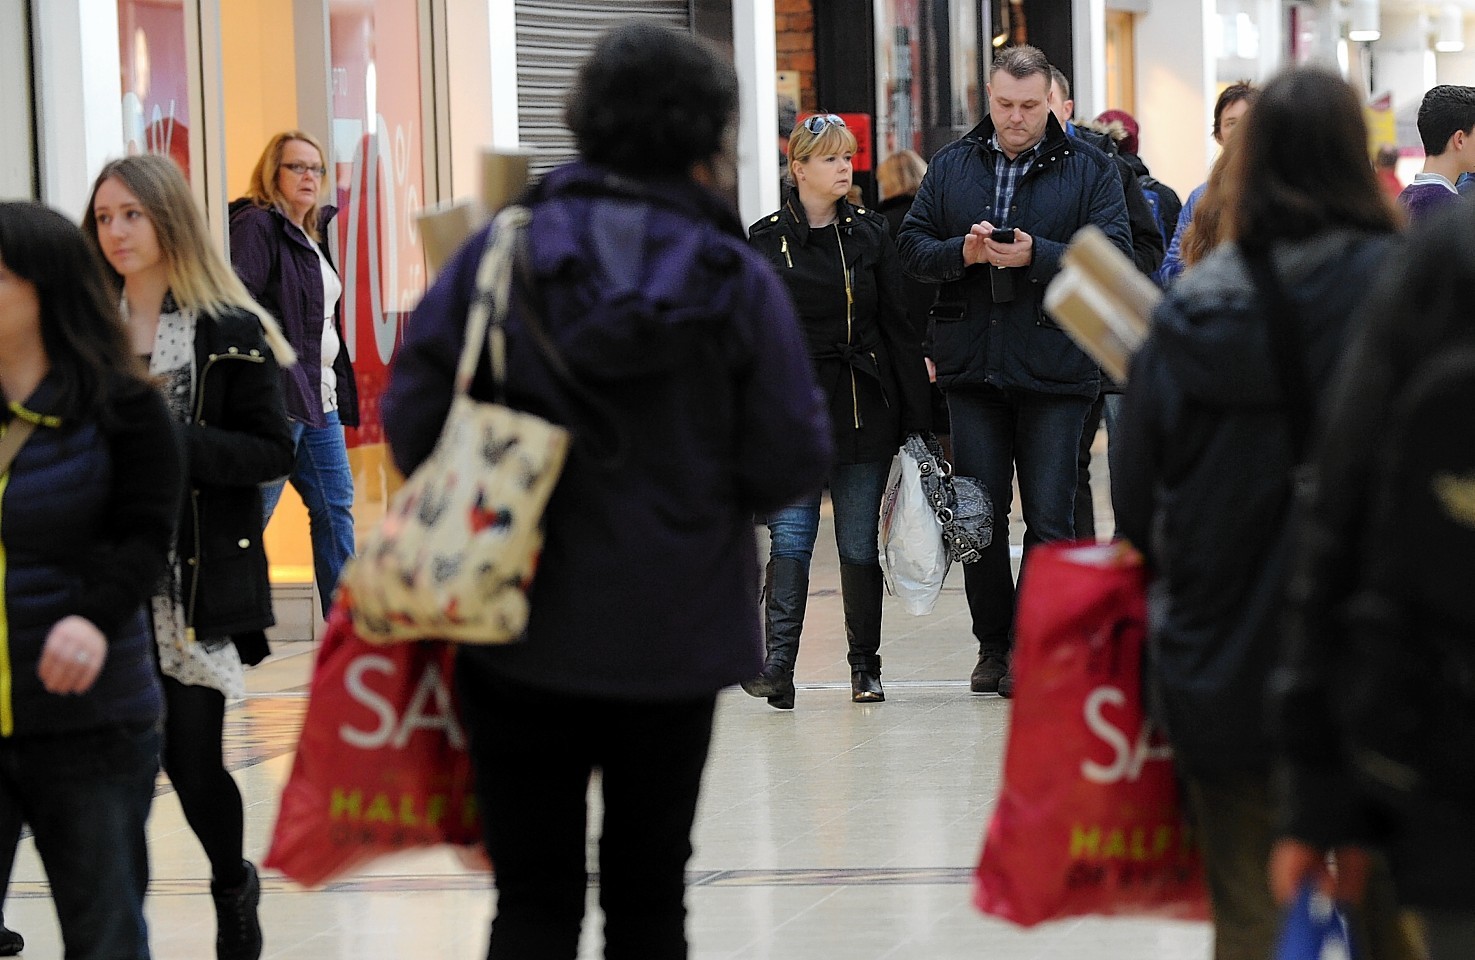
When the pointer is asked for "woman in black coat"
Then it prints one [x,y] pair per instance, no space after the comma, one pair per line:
[844,275]
[206,343]
[1210,429]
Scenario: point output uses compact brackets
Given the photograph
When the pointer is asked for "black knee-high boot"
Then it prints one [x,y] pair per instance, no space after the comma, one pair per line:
[785,595]
[861,587]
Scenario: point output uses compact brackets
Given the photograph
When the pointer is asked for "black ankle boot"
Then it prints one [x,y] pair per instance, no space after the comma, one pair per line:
[11,943]
[785,596]
[860,589]
[865,687]
[237,926]
[775,683]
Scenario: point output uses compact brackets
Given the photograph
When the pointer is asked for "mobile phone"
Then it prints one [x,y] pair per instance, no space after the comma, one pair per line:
[1002,235]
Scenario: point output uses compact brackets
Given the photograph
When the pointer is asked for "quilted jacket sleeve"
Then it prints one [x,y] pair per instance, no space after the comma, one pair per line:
[928,252]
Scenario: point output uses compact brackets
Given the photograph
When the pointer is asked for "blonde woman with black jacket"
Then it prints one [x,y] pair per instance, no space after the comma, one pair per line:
[214,353]
[843,273]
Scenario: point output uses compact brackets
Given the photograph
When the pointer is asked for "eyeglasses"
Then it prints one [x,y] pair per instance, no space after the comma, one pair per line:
[819,121]
[302,169]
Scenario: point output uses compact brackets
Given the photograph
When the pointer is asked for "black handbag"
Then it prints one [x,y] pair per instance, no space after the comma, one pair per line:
[962,504]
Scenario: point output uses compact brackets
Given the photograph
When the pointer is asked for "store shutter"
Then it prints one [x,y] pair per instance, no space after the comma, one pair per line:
[553,38]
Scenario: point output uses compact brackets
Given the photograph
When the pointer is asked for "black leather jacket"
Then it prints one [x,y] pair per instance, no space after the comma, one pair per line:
[866,351]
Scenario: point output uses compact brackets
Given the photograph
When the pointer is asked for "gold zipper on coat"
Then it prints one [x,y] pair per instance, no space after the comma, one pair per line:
[210,362]
[783,245]
[849,326]
[194,583]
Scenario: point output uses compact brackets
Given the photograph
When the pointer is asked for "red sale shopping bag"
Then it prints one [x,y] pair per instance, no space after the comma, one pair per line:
[382,764]
[1088,821]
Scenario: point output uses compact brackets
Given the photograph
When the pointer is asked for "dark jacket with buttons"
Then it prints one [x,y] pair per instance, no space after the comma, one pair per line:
[280,268]
[867,353]
[1013,345]
[238,437]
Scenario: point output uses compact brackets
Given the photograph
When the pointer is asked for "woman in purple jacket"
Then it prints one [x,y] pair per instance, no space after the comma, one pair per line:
[279,247]
[693,407]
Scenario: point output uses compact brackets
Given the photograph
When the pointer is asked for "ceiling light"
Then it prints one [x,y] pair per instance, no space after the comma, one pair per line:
[1451,35]
[1365,24]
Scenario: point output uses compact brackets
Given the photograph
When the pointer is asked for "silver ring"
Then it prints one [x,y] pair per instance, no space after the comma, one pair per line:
[82,656]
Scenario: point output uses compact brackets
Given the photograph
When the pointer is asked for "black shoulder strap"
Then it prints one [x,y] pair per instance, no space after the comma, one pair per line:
[1286,349]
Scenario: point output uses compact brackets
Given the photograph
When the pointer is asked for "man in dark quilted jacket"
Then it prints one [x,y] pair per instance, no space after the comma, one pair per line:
[1018,389]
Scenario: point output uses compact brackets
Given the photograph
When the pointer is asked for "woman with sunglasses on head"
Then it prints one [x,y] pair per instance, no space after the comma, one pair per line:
[279,246]
[206,344]
[87,507]
[843,273]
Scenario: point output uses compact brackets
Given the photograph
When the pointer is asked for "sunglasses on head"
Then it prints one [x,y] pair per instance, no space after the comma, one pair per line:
[819,121]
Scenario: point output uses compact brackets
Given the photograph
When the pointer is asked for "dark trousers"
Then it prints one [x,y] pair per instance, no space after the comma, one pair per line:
[10,830]
[535,752]
[86,796]
[1449,935]
[1233,816]
[997,433]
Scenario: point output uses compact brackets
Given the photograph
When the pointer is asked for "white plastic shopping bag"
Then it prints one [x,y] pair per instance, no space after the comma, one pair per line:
[914,560]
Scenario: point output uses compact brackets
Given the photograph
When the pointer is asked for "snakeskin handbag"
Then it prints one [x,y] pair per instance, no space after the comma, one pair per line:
[456,551]
[962,504]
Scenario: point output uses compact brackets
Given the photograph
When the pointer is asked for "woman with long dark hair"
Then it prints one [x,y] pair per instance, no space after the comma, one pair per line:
[1218,412]
[88,503]
[206,341]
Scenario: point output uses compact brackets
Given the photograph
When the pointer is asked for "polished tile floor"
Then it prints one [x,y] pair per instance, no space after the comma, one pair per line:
[830,831]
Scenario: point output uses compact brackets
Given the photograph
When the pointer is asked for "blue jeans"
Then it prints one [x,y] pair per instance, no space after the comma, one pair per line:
[86,796]
[855,494]
[322,478]
[996,433]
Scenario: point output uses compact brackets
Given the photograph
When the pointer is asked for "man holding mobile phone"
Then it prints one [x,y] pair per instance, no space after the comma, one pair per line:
[990,221]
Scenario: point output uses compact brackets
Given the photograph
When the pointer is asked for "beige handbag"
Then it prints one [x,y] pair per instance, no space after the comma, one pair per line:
[456,551]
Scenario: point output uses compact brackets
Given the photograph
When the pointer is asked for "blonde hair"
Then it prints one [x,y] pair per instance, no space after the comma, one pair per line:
[900,174]
[833,138]
[263,190]
[199,277]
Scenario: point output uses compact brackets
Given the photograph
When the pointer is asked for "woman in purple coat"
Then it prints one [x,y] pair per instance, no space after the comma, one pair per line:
[279,247]
[693,407]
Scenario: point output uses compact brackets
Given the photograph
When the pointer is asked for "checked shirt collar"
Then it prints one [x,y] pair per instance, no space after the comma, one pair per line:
[1007,174]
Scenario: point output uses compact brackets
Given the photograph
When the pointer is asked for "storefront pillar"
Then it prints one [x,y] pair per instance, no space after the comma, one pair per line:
[79,123]
[1175,91]
[755,54]
[481,59]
